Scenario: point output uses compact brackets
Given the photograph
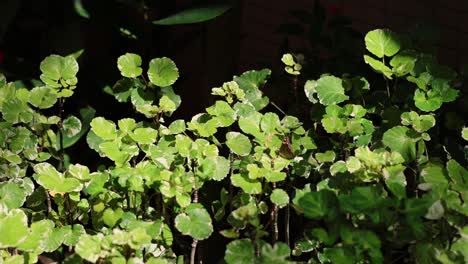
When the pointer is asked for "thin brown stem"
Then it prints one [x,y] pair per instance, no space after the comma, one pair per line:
[194,251]
[49,202]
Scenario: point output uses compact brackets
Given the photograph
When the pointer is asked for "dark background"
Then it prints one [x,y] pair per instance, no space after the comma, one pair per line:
[251,35]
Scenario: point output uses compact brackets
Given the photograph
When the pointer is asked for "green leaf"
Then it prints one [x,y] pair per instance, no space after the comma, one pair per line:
[71,126]
[240,251]
[464,133]
[37,238]
[395,180]
[12,196]
[79,172]
[436,211]
[276,254]
[288,59]
[397,139]
[250,124]
[129,65]
[238,143]
[145,135]
[72,234]
[195,222]
[338,167]
[317,205]
[103,128]
[215,168]
[427,101]
[110,217]
[13,227]
[279,197]
[42,97]
[127,125]
[162,72]
[330,90]
[246,184]
[86,115]
[403,63]
[177,127]
[270,122]
[434,175]
[51,179]
[457,174]
[251,82]
[89,247]
[58,71]
[353,164]
[379,66]
[79,9]
[361,199]
[194,15]
[327,156]
[382,42]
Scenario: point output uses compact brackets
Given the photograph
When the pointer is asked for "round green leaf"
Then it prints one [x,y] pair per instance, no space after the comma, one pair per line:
[195,222]
[71,126]
[42,97]
[279,197]
[247,185]
[427,101]
[163,72]
[103,128]
[129,65]
[127,125]
[240,251]
[13,228]
[397,139]
[56,68]
[79,172]
[270,122]
[89,247]
[37,238]
[353,164]
[12,196]
[382,42]
[51,179]
[330,90]
[238,143]
[215,168]
[144,135]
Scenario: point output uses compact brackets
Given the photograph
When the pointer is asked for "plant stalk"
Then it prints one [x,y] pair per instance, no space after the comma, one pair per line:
[60,127]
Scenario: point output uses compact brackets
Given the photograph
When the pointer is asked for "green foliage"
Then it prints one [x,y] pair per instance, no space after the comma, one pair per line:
[194,15]
[367,176]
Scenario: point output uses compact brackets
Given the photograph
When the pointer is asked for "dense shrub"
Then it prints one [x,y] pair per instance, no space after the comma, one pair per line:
[371,180]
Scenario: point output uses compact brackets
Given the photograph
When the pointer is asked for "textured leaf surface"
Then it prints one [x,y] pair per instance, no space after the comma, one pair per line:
[330,90]
[163,72]
[195,222]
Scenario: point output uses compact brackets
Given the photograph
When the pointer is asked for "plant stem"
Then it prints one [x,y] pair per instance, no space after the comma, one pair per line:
[60,127]
[195,241]
[49,203]
[274,217]
[279,109]
[194,251]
